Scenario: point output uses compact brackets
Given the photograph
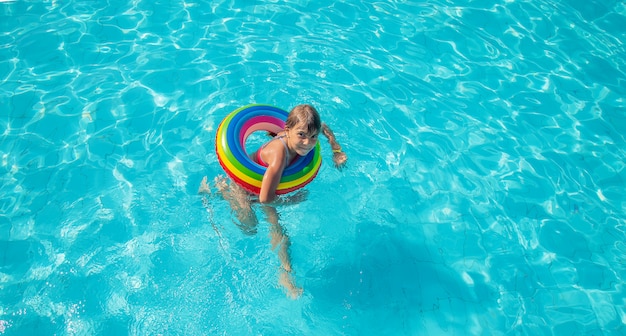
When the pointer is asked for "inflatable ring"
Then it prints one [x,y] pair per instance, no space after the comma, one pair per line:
[231,153]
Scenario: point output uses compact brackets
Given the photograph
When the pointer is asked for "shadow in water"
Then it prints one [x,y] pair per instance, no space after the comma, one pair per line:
[387,284]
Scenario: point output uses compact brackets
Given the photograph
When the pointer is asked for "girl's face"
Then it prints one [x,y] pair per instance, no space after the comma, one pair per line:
[300,140]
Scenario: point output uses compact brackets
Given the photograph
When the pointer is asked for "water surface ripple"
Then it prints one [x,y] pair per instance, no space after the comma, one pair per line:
[484,192]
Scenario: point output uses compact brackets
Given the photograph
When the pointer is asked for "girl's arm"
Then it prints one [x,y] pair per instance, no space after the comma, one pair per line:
[339,157]
[271,178]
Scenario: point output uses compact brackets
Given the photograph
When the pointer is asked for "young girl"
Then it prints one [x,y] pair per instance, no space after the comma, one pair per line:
[299,137]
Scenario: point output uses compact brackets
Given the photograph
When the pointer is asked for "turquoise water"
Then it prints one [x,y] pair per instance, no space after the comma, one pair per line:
[484,192]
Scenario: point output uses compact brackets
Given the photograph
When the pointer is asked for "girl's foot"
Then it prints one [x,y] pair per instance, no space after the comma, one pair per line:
[286,281]
[204,187]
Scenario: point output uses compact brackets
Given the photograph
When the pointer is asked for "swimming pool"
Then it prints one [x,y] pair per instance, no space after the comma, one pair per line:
[484,192]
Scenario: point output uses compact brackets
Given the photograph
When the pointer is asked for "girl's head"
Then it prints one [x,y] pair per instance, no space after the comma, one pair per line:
[306,116]
[302,127]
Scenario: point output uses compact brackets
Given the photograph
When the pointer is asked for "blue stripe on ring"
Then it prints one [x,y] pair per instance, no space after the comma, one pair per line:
[234,130]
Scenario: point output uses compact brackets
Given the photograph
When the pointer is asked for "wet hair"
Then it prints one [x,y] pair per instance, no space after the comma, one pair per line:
[307,115]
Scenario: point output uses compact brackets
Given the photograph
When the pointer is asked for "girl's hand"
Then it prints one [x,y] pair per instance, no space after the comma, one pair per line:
[340,158]
[294,198]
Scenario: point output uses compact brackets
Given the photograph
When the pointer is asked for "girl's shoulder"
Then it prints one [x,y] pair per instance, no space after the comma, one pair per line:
[274,149]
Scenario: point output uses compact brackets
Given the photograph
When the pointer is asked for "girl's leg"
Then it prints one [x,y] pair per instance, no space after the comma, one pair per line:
[239,202]
[280,242]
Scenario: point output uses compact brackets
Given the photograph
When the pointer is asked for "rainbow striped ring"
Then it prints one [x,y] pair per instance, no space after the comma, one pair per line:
[231,153]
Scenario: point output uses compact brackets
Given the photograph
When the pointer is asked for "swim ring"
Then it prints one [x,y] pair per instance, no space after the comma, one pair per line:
[231,152]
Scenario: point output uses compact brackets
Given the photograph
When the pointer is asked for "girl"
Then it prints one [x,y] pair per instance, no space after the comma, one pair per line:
[299,137]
